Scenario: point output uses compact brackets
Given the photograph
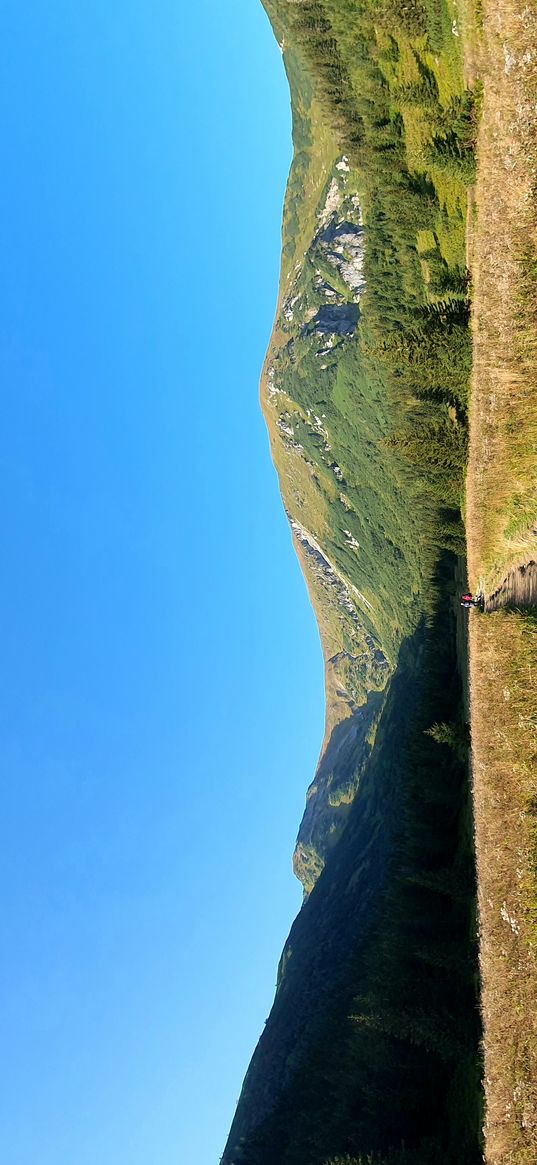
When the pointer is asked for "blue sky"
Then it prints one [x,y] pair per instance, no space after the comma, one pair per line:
[161,690]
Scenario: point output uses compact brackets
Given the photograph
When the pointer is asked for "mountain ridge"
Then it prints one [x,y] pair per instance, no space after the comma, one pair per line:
[374,1032]
[357,660]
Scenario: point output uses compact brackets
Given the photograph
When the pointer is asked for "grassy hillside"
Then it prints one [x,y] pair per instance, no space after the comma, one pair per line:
[368,428]
[502,523]
[372,1045]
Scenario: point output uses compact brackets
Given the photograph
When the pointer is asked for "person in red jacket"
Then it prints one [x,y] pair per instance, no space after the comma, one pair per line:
[470,600]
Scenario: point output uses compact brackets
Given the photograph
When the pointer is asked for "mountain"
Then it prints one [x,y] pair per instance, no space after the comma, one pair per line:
[372,1044]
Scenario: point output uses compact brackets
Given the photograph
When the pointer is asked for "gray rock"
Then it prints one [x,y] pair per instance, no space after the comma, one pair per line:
[335,319]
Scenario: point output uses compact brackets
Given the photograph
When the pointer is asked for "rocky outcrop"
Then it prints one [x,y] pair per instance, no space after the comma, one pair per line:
[345,593]
[343,245]
[338,319]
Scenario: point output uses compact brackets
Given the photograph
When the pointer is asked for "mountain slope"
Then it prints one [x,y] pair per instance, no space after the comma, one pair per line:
[373,1037]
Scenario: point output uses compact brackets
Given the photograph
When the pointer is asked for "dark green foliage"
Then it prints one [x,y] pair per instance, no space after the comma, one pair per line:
[459,118]
[447,154]
[422,93]
[409,15]
[455,735]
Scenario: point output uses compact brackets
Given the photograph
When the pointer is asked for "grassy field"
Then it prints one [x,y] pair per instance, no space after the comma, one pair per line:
[502,472]
[504,742]
[502,525]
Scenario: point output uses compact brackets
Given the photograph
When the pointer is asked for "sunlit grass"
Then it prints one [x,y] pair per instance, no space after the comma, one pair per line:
[502,524]
[503,653]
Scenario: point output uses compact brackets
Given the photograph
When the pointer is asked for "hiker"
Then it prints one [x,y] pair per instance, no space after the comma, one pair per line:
[470,600]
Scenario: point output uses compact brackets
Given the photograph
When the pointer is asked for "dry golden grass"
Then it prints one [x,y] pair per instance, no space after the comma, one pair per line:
[502,477]
[502,524]
[503,669]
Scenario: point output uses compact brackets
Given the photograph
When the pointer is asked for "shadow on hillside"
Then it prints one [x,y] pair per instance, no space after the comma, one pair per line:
[373,1036]
[330,796]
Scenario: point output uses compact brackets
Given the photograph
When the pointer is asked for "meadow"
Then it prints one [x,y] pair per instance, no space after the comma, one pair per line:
[501,528]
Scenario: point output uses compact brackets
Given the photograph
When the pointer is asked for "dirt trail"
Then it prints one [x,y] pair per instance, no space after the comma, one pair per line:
[519,589]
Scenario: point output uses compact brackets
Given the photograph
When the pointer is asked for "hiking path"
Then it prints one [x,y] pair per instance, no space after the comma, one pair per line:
[519,589]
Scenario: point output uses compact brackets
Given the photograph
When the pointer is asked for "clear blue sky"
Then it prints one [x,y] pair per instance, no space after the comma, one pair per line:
[161,690]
